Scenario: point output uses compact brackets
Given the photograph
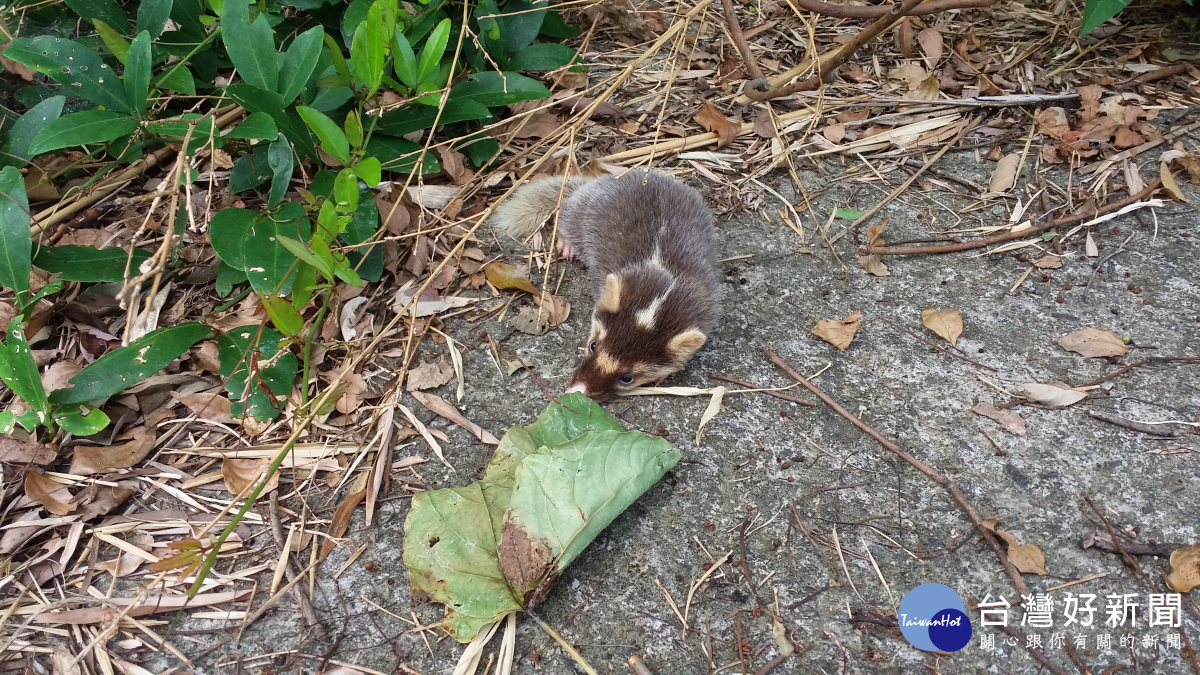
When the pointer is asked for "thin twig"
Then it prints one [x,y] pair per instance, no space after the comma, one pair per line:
[751,385]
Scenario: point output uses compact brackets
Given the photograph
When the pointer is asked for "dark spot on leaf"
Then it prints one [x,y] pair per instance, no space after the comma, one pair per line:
[433,541]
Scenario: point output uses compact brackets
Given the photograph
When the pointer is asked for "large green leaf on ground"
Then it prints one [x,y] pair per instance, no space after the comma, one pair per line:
[82,128]
[498,545]
[88,263]
[125,367]
[19,371]
[1096,12]
[494,89]
[250,46]
[74,66]
[249,241]
[15,151]
[15,240]
[255,371]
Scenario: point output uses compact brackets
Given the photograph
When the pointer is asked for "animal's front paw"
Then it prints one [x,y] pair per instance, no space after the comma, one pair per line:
[564,249]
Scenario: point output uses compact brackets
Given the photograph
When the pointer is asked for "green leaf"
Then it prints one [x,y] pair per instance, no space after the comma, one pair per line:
[354,130]
[8,422]
[486,549]
[412,118]
[333,141]
[249,241]
[401,156]
[366,51]
[521,22]
[15,151]
[369,170]
[494,89]
[20,373]
[848,214]
[74,66]
[250,170]
[125,367]
[1096,12]
[251,366]
[137,73]
[81,128]
[297,248]
[345,191]
[542,57]
[258,126]
[299,62]
[81,420]
[250,46]
[15,240]
[106,11]
[404,61]
[279,158]
[255,100]
[180,80]
[283,315]
[339,61]
[433,50]
[554,26]
[88,263]
[115,42]
[152,16]
[227,278]
[368,260]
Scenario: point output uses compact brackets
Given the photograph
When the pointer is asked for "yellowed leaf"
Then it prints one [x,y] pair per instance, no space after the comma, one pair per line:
[504,277]
[1004,176]
[1094,343]
[1168,182]
[1009,420]
[839,333]
[712,120]
[1185,569]
[430,375]
[89,459]
[241,474]
[910,74]
[946,323]
[928,89]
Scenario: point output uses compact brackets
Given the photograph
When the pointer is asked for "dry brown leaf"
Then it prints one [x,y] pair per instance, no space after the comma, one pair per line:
[1089,246]
[395,216]
[1168,183]
[12,538]
[205,357]
[712,120]
[149,605]
[931,43]
[341,520]
[1050,394]
[1004,176]
[121,566]
[13,451]
[555,307]
[927,89]
[57,375]
[206,405]
[25,72]
[52,495]
[351,397]
[62,662]
[764,125]
[874,266]
[1126,137]
[539,125]
[1009,420]
[904,38]
[1027,558]
[834,132]
[1048,262]
[448,411]
[91,459]
[910,74]
[504,277]
[105,499]
[1185,569]
[454,164]
[946,323]
[1094,343]
[430,375]
[839,333]
[242,474]
[530,320]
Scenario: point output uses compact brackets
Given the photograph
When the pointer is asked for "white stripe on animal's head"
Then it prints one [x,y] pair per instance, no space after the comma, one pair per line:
[647,315]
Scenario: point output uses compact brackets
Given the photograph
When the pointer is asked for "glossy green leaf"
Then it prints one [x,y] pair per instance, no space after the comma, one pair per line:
[137,73]
[81,420]
[299,62]
[74,66]
[339,61]
[283,315]
[554,26]
[107,11]
[402,156]
[542,57]
[81,128]
[255,100]
[116,43]
[15,150]
[250,170]
[258,126]
[412,118]
[333,141]
[88,263]
[19,371]
[367,260]
[404,61]
[125,367]
[8,422]
[323,264]
[279,158]
[550,489]
[431,53]
[204,133]
[152,16]
[178,80]
[521,22]
[1096,12]
[249,241]
[306,282]
[493,89]
[366,51]
[227,278]
[345,191]
[253,374]
[369,170]
[15,240]
[250,45]
[354,130]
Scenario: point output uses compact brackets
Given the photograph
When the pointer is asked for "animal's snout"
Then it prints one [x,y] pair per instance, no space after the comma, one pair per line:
[576,388]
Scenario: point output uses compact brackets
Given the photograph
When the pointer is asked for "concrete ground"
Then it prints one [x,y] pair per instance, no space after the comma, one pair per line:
[761,455]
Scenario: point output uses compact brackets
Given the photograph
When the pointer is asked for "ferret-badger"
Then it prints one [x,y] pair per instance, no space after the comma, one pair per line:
[650,247]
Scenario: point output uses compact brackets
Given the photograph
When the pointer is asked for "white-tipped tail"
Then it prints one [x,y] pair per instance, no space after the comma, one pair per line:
[527,208]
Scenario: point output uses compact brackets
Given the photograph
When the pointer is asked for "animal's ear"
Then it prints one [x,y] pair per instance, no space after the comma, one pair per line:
[683,346]
[610,301]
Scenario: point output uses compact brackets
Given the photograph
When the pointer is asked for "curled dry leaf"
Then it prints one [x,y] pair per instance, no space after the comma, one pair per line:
[1009,420]
[242,474]
[57,375]
[351,397]
[205,357]
[839,333]
[430,375]
[14,537]
[504,277]
[1004,176]
[873,264]
[714,407]
[947,323]
[13,451]
[1048,262]
[451,413]
[1185,569]
[1050,394]
[1093,343]
[1027,558]
[349,316]
[91,459]
[206,405]
[555,307]
[454,163]
[52,495]
[712,120]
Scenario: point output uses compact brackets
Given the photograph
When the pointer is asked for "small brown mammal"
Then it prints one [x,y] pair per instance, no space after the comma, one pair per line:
[650,247]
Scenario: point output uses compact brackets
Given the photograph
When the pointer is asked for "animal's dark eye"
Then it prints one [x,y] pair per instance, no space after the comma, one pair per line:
[592,346]
[627,378]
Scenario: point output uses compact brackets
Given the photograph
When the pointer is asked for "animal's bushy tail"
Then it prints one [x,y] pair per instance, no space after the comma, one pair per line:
[527,208]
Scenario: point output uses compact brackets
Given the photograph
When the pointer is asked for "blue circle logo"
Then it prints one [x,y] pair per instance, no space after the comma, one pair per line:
[933,618]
